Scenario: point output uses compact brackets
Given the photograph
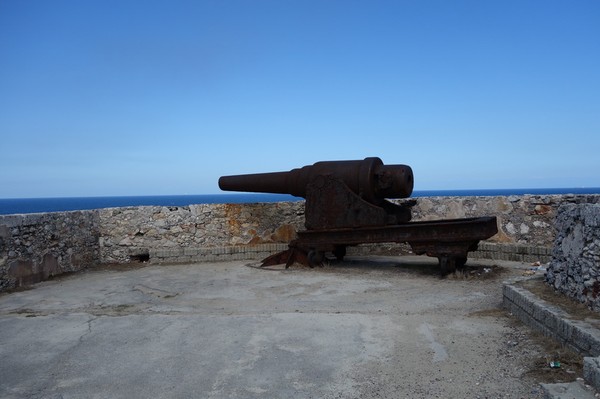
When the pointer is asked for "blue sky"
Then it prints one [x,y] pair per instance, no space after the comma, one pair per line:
[107,97]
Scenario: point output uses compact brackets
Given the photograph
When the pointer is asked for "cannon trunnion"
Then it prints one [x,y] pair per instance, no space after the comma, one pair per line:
[346,205]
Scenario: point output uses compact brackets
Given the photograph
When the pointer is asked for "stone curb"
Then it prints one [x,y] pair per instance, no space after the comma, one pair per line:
[572,390]
[555,323]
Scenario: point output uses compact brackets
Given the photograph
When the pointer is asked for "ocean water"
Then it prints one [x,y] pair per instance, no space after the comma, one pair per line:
[35,205]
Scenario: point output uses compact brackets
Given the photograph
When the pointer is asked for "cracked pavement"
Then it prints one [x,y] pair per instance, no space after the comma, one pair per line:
[377,327]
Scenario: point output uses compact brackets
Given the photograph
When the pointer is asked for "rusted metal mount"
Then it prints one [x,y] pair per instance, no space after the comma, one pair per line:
[448,240]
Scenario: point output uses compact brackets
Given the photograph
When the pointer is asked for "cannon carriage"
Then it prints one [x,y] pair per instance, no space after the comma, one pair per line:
[347,204]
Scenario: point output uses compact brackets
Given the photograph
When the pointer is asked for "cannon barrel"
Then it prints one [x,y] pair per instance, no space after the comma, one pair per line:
[369,178]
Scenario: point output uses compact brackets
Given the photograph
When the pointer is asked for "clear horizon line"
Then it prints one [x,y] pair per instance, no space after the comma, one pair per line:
[260,193]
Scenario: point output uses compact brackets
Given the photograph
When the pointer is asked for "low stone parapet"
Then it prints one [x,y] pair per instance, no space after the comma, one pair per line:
[36,246]
[512,252]
[215,254]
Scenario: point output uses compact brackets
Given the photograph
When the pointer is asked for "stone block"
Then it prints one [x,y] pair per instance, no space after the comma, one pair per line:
[525,301]
[551,321]
[582,340]
[595,348]
[23,272]
[564,329]
[49,266]
[4,232]
[11,221]
[191,251]
[541,313]
[590,214]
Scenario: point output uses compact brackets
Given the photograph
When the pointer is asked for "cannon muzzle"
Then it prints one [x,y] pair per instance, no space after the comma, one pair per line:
[369,178]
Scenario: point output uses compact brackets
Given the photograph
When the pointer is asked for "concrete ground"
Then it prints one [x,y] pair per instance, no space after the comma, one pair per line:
[377,327]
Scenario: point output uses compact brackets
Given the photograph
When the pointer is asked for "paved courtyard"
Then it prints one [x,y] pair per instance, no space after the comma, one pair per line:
[378,327]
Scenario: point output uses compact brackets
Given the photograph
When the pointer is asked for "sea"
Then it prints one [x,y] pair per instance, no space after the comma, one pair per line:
[10,206]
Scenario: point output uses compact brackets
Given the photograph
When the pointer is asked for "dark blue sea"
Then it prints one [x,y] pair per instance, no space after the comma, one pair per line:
[34,205]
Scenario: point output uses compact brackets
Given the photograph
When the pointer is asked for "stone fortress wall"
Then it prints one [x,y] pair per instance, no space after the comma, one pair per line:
[575,266]
[35,247]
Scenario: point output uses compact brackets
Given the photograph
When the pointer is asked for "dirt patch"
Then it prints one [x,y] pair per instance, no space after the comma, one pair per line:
[9,291]
[28,312]
[475,269]
[576,310]
[113,310]
[555,363]
[549,361]
[120,267]
[479,272]
[424,266]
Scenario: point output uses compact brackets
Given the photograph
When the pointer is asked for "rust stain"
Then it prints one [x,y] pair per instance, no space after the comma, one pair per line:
[284,233]
[232,215]
[542,209]
[255,241]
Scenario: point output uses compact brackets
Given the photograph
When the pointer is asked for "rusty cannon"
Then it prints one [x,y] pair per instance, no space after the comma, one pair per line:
[347,204]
